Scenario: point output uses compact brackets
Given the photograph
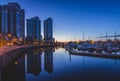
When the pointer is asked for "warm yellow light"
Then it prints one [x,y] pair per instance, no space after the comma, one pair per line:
[9,35]
[14,40]
[16,62]
[8,44]
[91,42]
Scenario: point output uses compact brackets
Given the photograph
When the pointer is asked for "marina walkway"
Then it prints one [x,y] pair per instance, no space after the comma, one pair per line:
[6,49]
[8,53]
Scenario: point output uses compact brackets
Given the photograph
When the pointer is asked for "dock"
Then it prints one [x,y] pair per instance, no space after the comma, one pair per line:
[74,52]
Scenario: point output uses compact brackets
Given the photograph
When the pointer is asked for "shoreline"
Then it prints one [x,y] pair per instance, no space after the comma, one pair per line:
[14,51]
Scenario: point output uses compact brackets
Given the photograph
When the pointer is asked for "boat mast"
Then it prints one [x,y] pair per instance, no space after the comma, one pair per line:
[106,36]
[115,35]
[83,35]
[101,37]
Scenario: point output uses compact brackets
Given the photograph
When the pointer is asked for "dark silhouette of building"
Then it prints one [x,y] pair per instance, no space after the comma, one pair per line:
[12,20]
[34,29]
[48,30]
[48,60]
[34,62]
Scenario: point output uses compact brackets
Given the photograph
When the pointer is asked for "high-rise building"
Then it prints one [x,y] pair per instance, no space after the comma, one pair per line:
[34,29]
[12,20]
[48,30]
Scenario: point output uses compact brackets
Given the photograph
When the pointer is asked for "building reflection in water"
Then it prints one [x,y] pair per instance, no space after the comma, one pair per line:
[48,59]
[15,71]
[34,62]
[30,63]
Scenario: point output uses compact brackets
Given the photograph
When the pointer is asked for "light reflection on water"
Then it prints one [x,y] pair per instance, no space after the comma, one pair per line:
[51,64]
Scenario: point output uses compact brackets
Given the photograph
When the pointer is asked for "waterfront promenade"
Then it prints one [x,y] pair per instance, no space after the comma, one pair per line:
[8,53]
[6,49]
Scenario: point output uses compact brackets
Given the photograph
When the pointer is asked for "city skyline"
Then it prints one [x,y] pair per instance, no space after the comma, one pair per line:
[71,18]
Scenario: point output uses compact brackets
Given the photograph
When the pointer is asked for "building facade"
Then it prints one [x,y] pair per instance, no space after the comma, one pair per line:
[12,19]
[48,30]
[34,29]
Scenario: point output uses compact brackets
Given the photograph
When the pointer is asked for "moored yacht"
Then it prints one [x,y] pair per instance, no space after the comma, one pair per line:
[91,48]
[98,48]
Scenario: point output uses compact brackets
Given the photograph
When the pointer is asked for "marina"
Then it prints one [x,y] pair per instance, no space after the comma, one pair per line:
[106,50]
[74,52]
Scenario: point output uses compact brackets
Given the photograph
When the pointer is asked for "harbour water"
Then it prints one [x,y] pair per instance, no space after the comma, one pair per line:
[56,64]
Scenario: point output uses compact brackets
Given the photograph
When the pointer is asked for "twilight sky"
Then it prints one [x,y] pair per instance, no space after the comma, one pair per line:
[72,17]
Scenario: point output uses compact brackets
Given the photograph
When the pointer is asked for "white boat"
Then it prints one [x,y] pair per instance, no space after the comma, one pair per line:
[98,48]
[84,46]
[109,47]
[112,49]
[79,47]
[91,48]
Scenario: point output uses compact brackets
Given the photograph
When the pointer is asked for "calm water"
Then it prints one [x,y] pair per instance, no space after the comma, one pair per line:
[53,64]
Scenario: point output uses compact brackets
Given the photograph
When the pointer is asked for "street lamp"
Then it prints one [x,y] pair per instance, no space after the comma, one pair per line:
[9,37]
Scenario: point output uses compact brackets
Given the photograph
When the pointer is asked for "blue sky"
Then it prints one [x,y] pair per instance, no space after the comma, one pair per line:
[72,17]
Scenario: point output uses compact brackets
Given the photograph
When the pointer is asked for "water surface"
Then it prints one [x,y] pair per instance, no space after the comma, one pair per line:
[56,64]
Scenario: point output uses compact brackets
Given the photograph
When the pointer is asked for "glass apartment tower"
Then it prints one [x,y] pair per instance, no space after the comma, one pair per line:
[12,20]
[48,30]
[34,29]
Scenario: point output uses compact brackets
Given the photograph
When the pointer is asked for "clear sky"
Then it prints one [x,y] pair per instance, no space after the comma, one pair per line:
[72,17]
